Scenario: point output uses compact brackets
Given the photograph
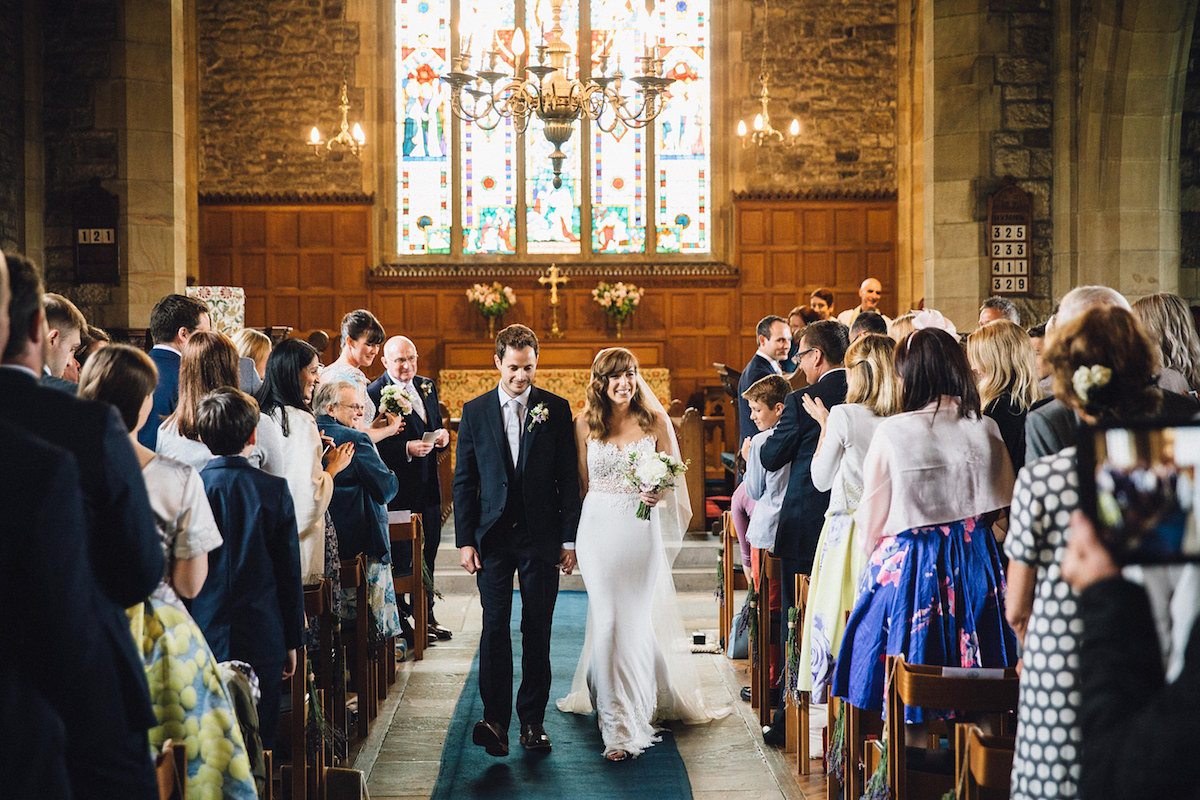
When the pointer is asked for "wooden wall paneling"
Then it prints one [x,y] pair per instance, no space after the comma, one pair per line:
[253,229]
[283,269]
[218,267]
[283,230]
[216,228]
[254,271]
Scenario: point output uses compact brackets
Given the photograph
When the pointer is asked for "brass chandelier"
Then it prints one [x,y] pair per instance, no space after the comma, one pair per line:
[487,95]
[764,132]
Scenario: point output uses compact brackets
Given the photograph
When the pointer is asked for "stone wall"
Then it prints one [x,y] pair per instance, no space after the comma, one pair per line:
[269,71]
[1189,167]
[833,66]
[78,40]
[1022,146]
[12,161]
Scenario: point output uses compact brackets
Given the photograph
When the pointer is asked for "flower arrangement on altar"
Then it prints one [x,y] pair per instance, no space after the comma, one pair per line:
[492,300]
[618,300]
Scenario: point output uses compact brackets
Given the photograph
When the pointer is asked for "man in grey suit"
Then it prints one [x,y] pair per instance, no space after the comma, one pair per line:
[1052,426]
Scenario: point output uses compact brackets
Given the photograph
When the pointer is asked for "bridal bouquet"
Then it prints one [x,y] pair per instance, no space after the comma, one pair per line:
[492,299]
[394,401]
[652,472]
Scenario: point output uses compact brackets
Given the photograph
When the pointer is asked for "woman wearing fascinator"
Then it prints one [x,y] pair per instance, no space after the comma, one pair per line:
[635,669]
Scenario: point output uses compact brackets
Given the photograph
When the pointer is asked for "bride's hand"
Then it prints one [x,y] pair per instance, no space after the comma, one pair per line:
[651,498]
[566,561]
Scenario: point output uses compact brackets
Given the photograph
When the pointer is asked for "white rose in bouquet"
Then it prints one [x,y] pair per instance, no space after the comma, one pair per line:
[652,472]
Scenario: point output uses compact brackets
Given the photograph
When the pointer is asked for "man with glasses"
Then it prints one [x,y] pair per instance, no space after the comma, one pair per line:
[413,453]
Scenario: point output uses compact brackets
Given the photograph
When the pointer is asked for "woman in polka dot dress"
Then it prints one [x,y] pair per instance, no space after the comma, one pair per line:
[1041,607]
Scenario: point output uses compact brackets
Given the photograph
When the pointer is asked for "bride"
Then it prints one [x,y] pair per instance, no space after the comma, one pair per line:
[636,667]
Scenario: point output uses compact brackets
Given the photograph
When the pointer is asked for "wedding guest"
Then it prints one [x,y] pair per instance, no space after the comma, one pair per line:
[821,301]
[1052,426]
[1167,322]
[172,320]
[866,323]
[360,495]
[210,362]
[869,293]
[933,479]
[872,393]
[95,339]
[1004,363]
[767,490]
[362,336]
[822,348]
[798,318]
[107,744]
[1041,608]
[125,377]
[66,325]
[42,632]
[1136,728]
[414,460]
[256,346]
[1037,337]
[252,606]
[774,340]
[285,396]
[902,326]
[995,308]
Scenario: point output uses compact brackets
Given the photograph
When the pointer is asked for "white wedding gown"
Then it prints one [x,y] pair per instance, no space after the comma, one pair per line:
[637,667]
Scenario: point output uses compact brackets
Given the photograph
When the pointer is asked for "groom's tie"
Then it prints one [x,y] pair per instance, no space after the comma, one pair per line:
[512,428]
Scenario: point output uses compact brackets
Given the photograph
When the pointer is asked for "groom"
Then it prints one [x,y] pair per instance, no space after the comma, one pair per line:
[516,507]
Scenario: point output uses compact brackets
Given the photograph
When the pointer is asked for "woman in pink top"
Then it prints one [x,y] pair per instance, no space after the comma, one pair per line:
[933,478]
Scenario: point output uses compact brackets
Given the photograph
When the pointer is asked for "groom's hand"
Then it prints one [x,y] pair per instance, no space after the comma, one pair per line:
[469,558]
[566,561]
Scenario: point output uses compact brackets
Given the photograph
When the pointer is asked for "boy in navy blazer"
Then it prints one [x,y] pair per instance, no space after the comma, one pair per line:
[252,605]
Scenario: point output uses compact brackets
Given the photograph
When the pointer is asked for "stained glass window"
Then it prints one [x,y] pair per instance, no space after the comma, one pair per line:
[423,126]
[473,190]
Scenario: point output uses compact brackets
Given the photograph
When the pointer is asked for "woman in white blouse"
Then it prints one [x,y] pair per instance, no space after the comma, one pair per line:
[209,362]
[285,396]
[362,336]
[933,479]
[873,393]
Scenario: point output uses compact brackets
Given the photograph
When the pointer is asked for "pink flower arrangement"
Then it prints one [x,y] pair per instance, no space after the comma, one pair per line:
[492,299]
[618,299]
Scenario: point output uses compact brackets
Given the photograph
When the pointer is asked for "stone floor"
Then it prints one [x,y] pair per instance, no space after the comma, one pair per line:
[725,759]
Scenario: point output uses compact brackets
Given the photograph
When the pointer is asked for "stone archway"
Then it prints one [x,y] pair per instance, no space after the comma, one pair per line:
[1119,97]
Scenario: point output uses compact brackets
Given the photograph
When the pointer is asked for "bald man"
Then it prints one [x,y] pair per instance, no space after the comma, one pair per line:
[414,460]
[869,293]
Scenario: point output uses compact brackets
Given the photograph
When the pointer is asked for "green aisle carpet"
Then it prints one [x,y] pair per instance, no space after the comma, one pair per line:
[575,767]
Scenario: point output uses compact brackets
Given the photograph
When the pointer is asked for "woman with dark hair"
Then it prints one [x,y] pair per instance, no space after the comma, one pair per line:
[209,362]
[632,667]
[285,397]
[125,378]
[933,479]
[821,301]
[362,336]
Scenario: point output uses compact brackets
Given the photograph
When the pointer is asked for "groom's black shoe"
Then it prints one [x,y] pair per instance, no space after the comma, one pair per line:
[533,737]
[489,736]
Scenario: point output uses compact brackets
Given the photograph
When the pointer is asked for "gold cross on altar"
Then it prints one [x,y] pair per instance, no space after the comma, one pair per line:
[555,278]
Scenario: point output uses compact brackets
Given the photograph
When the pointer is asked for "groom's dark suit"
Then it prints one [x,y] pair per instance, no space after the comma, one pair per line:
[518,518]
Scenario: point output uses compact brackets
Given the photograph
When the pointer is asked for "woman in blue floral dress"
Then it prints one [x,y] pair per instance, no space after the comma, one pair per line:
[933,478]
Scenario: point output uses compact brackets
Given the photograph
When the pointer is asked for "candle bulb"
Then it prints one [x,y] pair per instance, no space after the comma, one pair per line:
[518,49]
[794,128]
[314,136]
[741,129]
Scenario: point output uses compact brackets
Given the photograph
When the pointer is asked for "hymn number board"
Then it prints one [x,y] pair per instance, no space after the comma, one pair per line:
[1010,212]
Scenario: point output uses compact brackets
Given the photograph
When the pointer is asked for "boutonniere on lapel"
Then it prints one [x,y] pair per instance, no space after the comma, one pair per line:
[537,415]
[426,388]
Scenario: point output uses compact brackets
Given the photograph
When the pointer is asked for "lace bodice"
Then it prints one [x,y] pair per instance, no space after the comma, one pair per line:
[607,463]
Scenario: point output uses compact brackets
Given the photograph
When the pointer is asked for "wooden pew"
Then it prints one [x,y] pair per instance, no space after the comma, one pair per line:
[975,691]
[410,534]
[797,708]
[983,763]
[296,776]
[170,768]
[318,602]
[860,725]
[689,429]
[354,576]
[731,575]
[770,572]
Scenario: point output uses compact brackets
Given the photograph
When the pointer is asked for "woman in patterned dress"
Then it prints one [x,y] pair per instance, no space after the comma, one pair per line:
[933,479]
[1041,605]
